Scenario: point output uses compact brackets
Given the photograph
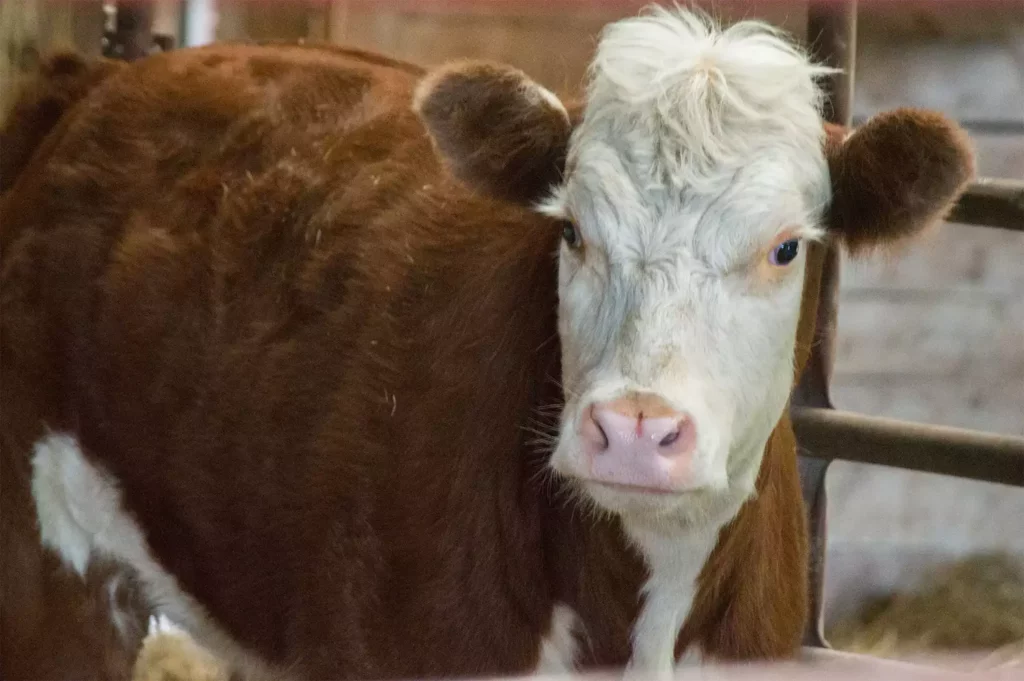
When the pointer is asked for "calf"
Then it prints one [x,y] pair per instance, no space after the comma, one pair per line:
[359,370]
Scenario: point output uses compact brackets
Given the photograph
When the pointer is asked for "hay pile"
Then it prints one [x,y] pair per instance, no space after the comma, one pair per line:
[971,606]
[169,654]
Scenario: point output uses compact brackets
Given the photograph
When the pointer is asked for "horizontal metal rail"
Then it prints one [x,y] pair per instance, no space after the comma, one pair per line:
[974,126]
[992,202]
[838,435]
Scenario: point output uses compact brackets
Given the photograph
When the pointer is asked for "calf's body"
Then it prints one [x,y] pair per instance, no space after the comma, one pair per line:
[266,355]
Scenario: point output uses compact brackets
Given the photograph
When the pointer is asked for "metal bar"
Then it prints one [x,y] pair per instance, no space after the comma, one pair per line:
[992,202]
[813,388]
[832,33]
[830,434]
[813,391]
[975,126]
[812,484]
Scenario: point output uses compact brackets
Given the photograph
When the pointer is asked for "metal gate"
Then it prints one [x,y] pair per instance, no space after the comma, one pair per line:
[825,434]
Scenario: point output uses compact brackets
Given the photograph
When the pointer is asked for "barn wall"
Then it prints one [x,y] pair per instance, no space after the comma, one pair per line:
[553,42]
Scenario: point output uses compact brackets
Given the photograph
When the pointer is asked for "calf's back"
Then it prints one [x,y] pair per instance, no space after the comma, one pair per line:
[305,354]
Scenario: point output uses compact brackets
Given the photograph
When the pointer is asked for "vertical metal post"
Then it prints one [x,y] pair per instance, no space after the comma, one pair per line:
[832,32]
[832,29]
[132,37]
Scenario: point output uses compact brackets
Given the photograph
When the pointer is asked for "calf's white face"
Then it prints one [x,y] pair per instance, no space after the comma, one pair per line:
[688,193]
[692,186]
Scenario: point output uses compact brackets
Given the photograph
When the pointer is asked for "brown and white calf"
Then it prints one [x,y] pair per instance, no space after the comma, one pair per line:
[282,326]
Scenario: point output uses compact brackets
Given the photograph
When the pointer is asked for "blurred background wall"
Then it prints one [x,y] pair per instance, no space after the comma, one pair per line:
[937,336]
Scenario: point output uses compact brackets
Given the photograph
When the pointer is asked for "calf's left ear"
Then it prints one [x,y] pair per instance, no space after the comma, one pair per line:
[497,130]
[894,176]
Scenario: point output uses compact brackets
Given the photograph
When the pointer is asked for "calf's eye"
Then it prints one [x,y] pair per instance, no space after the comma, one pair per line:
[784,253]
[571,234]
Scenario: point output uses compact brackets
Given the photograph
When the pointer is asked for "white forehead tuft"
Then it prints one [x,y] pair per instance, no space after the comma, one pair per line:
[685,102]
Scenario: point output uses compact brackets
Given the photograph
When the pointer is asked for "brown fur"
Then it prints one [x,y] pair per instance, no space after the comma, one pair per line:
[245,281]
[63,80]
[53,623]
[900,172]
[492,135]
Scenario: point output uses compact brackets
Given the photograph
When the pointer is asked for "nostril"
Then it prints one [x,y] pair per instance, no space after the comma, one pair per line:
[678,440]
[670,438]
[593,432]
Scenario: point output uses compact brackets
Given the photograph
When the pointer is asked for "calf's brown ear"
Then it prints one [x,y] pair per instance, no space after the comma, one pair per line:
[499,131]
[894,176]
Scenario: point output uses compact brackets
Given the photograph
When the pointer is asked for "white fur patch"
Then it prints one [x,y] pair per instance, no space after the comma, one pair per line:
[707,96]
[559,648]
[70,501]
[80,515]
[674,566]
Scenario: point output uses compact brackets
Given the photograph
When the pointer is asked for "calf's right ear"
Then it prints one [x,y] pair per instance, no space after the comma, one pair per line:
[894,176]
[498,131]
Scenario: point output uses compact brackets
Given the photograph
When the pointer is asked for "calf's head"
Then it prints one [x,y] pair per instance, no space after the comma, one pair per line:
[687,191]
